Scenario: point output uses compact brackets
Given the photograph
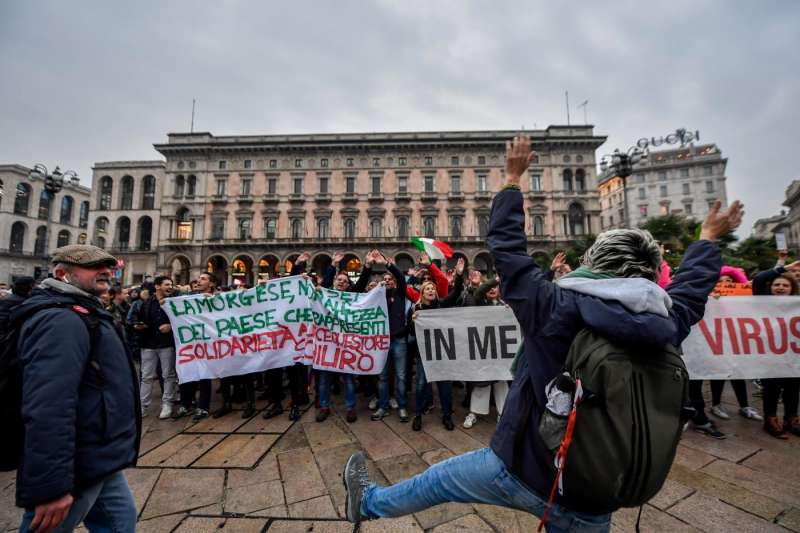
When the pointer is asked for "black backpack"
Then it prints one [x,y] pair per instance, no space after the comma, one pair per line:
[11,378]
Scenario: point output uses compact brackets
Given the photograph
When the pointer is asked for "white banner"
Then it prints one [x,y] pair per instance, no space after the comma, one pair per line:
[467,343]
[276,324]
[746,337]
[740,337]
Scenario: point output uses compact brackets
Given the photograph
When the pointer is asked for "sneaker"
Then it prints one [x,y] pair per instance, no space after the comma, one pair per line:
[792,425]
[294,413]
[447,422]
[393,403]
[773,426]
[272,411]
[222,411]
[181,412]
[416,424]
[249,411]
[380,414]
[750,413]
[719,412]
[323,414]
[403,415]
[470,420]
[709,429]
[200,414]
[355,478]
[351,416]
[166,411]
[373,404]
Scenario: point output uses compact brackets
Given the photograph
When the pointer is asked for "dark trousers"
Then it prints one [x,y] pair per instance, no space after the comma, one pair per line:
[298,384]
[245,381]
[188,390]
[739,389]
[774,388]
[696,401]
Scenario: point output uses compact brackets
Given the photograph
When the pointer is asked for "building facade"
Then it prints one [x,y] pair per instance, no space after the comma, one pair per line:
[684,181]
[32,224]
[790,225]
[764,228]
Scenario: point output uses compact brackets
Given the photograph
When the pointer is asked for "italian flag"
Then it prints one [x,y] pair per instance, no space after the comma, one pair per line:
[435,249]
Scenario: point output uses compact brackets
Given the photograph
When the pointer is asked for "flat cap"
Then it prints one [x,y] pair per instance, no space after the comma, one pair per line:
[83,255]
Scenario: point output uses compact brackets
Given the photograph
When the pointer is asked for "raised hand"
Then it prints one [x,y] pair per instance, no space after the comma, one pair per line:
[424,259]
[518,157]
[380,259]
[460,266]
[337,258]
[558,261]
[303,258]
[793,266]
[718,224]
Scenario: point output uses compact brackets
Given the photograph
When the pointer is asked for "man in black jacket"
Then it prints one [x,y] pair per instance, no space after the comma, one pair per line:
[158,347]
[79,402]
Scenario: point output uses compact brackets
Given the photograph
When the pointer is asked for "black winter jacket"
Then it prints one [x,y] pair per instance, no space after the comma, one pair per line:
[81,424]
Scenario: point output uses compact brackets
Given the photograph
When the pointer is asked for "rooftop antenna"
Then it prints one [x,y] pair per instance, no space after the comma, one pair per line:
[191,129]
[583,105]
[566,94]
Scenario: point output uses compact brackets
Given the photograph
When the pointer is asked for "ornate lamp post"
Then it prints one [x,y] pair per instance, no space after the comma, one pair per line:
[621,164]
[53,183]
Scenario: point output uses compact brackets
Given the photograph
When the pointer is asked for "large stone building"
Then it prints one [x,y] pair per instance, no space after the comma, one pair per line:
[790,225]
[764,228]
[245,206]
[683,181]
[32,224]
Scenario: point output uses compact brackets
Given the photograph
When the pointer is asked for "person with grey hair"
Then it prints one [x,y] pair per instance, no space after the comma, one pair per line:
[614,294]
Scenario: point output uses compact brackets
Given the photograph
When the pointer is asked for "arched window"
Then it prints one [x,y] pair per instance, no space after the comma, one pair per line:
[106,190]
[402,227]
[66,210]
[567,178]
[83,219]
[191,185]
[183,228]
[44,205]
[244,229]
[483,225]
[576,218]
[538,226]
[123,233]
[179,185]
[297,228]
[455,226]
[429,227]
[148,192]
[63,238]
[271,228]
[323,228]
[143,242]
[17,242]
[580,180]
[126,199]
[23,199]
[40,246]
[349,228]
[376,228]
[100,231]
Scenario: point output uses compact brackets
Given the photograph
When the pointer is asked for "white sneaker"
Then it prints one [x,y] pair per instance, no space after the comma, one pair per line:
[373,404]
[750,413]
[719,412]
[470,420]
[166,411]
[393,403]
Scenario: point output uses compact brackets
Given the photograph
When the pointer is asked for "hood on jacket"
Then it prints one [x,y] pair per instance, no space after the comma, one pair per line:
[638,295]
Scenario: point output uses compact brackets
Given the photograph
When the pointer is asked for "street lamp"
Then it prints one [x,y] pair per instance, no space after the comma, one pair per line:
[621,164]
[53,183]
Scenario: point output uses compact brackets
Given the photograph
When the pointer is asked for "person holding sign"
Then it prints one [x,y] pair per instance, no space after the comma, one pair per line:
[516,471]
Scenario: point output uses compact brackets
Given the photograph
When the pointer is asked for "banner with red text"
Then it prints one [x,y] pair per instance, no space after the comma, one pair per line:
[747,337]
[277,324]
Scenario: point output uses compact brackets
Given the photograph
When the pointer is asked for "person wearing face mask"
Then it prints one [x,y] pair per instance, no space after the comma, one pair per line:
[80,401]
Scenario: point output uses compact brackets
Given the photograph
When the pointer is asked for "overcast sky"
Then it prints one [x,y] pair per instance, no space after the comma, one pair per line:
[91,81]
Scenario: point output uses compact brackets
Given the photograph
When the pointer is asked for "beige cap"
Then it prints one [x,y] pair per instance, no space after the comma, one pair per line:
[83,255]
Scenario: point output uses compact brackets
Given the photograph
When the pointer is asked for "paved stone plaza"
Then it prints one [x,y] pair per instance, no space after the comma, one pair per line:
[278,476]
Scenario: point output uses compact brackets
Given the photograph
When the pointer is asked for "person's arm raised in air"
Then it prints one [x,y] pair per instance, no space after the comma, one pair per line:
[451,299]
[524,286]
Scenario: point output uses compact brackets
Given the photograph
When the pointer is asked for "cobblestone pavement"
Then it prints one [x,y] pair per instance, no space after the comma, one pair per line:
[278,476]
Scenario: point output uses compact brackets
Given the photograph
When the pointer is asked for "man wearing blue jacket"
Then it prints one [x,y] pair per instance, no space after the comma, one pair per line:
[613,294]
[80,401]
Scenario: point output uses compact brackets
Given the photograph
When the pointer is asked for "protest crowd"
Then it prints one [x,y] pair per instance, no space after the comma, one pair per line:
[64,322]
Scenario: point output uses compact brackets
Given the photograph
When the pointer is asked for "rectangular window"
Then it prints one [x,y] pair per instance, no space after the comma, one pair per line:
[272,186]
[246,187]
[663,191]
[298,185]
[402,184]
[248,163]
[455,184]
[428,183]
[662,176]
[642,193]
[402,161]
[376,185]
[323,163]
[349,161]
[218,229]
[454,161]
[709,186]
[271,228]
[298,163]
[639,178]
[221,187]
[643,210]
[481,159]
[483,186]
[687,188]
[428,160]
[273,163]
[376,161]
[323,185]
[351,185]
[708,170]
[223,165]
[684,172]
[687,208]
[664,210]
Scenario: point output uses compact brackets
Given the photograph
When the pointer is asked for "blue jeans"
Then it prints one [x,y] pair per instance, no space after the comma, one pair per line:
[425,392]
[397,358]
[106,506]
[475,477]
[325,379]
